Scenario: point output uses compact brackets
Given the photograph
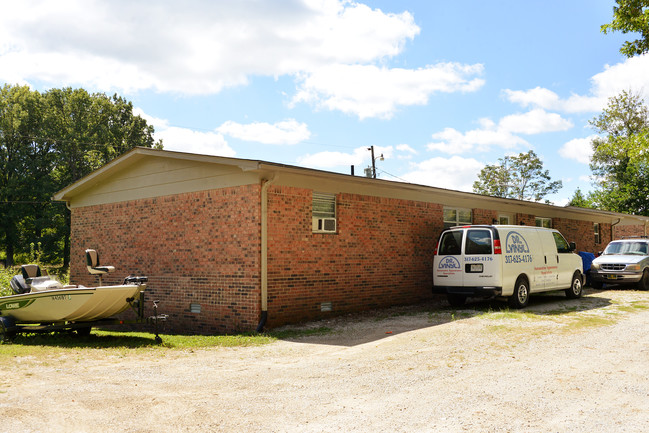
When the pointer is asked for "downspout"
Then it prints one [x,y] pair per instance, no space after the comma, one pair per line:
[264,251]
[613,225]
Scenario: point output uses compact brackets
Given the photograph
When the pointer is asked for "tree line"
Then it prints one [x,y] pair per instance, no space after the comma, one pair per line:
[49,140]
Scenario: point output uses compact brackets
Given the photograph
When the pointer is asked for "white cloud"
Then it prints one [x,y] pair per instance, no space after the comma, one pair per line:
[187,140]
[628,75]
[455,173]
[452,141]
[371,91]
[503,134]
[359,157]
[578,149]
[405,151]
[286,132]
[406,148]
[534,122]
[193,47]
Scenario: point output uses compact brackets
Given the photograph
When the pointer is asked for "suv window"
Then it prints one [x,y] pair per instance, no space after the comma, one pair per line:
[450,243]
[478,242]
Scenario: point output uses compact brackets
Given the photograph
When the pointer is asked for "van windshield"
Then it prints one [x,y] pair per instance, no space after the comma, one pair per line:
[450,243]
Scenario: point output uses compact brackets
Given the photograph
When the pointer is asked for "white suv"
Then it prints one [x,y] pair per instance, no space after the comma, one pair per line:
[624,261]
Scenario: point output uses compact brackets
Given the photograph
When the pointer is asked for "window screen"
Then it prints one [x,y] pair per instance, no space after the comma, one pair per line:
[324,205]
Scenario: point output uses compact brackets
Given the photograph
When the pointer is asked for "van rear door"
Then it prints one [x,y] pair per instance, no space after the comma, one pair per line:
[447,261]
[481,265]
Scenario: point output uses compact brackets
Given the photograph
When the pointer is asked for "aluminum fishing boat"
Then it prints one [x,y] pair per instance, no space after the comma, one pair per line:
[41,299]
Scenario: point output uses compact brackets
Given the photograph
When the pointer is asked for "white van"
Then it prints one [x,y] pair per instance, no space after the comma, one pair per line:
[504,261]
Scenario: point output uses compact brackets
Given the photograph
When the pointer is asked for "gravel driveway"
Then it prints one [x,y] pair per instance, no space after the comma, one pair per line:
[563,366]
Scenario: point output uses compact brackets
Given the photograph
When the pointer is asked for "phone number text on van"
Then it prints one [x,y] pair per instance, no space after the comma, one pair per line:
[518,258]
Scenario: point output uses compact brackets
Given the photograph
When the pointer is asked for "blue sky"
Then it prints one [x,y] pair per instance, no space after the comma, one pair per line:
[440,88]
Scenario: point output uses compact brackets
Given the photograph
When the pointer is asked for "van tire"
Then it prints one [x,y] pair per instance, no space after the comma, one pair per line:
[576,287]
[456,301]
[521,296]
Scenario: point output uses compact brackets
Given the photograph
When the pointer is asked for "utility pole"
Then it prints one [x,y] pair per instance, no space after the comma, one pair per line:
[373,170]
[373,163]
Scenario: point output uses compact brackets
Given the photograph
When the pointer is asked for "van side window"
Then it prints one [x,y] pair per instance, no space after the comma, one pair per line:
[478,242]
[562,244]
[450,244]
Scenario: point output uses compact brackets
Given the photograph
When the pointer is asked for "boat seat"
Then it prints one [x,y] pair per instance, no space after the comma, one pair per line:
[31,271]
[92,261]
[22,283]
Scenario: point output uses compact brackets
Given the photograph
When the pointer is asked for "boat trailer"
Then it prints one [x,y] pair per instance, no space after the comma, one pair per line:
[9,328]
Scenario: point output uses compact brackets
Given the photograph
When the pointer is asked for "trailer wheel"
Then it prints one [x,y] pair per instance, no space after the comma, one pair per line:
[7,329]
[84,332]
[521,296]
[576,287]
[456,301]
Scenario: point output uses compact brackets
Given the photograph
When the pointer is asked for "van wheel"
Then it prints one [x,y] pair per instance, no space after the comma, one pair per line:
[455,300]
[576,288]
[643,284]
[521,295]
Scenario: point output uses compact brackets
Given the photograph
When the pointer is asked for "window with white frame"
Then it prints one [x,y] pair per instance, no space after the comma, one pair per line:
[543,222]
[456,217]
[324,213]
[504,219]
[596,232]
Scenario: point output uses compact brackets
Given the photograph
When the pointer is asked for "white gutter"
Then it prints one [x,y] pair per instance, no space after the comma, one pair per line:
[264,251]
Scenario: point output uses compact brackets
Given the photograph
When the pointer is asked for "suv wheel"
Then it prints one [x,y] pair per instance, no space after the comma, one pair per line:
[643,284]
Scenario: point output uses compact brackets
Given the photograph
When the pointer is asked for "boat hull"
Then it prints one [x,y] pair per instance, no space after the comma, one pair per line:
[79,304]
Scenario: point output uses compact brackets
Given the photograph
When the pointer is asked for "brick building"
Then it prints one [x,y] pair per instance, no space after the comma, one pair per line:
[228,243]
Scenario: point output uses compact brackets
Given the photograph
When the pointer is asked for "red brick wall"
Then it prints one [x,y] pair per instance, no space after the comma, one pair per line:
[201,247]
[381,255]
[620,231]
[582,233]
[525,219]
[484,216]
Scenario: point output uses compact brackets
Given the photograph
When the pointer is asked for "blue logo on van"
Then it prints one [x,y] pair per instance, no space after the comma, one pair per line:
[516,249]
[515,243]
[449,263]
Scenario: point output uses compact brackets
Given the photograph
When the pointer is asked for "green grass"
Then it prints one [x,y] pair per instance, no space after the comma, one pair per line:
[121,343]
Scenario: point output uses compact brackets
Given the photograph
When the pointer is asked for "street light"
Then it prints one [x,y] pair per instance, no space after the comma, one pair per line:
[371,172]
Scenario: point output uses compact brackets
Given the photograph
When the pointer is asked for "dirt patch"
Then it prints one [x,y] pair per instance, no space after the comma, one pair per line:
[561,365]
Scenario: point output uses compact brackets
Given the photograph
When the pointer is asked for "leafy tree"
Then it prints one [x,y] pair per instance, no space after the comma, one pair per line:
[631,16]
[47,142]
[620,159]
[24,163]
[521,177]
[579,200]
